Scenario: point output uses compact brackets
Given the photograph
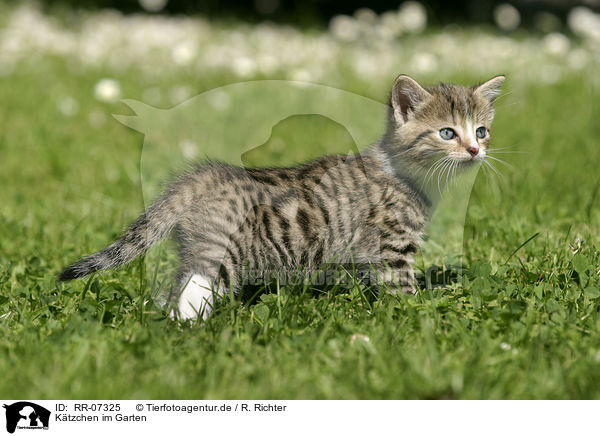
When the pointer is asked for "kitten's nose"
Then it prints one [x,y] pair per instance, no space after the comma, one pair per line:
[473,150]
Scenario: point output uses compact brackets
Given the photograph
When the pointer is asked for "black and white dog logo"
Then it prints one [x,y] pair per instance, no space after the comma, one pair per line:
[26,415]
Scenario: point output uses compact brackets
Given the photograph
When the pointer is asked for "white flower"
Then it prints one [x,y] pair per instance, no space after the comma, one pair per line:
[365,15]
[243,66]
[556,44]
[390,25]
[358,337]
[189,149]
[424,62]
[578,58]
[365,65]
[344,28]
[505,346]
[584,23]
[183,53]
[507,17]
[413,17]
[300,76]
[108,91]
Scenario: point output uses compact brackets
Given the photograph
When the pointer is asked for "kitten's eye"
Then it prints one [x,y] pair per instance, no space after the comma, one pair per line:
[447,133]
[481,132]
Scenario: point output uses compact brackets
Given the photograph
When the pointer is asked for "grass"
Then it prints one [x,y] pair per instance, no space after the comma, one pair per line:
[525,323]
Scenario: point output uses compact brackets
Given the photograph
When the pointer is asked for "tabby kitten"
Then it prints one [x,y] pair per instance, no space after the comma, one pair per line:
[368,209]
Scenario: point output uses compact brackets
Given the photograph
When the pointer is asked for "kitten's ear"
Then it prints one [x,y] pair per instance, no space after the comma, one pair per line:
[406,96]
[490,89]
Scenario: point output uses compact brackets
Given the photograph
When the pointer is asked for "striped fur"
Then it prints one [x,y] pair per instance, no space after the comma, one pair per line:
[367,209]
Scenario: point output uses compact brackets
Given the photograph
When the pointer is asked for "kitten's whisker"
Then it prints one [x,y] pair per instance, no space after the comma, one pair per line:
[506,150]
[438,181]
[450,169]
[453,175]
[485,171]
[441,173]
[446,171]
[493,169]
[425,177]
[515,148]
[432,170]
[511,147]
[437,168]
[435,165]
[501,161]
[454,169]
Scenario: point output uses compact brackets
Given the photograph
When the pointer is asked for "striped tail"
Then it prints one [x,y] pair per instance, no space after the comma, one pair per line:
[152,226]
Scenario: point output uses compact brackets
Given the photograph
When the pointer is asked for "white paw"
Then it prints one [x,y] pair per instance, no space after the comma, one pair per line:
[196,300]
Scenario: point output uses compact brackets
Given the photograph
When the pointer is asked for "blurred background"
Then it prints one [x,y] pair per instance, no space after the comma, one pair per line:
[543,13]
[321,41]
[310,40]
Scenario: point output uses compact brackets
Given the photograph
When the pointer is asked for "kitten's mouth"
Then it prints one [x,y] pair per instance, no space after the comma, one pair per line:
[466,163]
[471,160]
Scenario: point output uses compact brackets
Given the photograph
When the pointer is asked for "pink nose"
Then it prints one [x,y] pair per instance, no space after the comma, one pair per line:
[473,150]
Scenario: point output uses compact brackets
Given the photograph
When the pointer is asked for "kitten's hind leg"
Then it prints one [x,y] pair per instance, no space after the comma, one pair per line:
[196,298]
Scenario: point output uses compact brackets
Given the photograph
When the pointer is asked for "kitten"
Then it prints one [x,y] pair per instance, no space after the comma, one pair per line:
[367,209]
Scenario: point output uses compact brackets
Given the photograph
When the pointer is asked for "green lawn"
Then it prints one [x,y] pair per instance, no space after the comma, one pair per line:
[525,324]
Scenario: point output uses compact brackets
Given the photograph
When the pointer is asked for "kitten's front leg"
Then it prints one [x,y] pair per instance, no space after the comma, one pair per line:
[397,276]
[395,271]
[398,245]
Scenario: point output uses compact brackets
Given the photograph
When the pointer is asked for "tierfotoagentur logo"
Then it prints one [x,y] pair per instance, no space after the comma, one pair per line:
[25,415]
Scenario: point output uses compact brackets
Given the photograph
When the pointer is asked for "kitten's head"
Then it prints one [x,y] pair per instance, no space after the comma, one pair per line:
[441,122]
